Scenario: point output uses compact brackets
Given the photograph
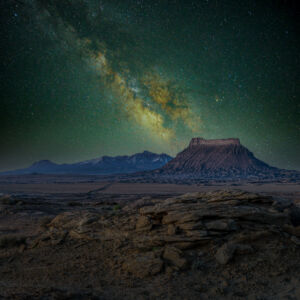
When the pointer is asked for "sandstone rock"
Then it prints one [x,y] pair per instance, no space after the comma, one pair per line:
[215,234]
[175,256]
[180,217]
[237,197]
[295,240]
[191,225]
[143,202]
[67,220]
[281,204]
[190,197]
[44,222]
[143,223]
[143,265]
[22,248]
[78,235]
[225,253]
[292,230]
[88,219]
[152,210]
[243,249]
[197,234]
[186,245]
[172,229]
[222,225]
[182,238]
[178,228]
[263,216]
[147,242]
[252,236]
[59,237]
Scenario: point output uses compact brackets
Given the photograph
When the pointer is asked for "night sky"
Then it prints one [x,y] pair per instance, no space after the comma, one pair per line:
[86,78]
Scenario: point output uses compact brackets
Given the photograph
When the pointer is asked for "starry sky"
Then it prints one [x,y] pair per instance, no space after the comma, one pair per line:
[86,78]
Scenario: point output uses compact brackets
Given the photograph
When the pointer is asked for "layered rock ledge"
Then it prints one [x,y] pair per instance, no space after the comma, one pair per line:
[214,245]
[151,236]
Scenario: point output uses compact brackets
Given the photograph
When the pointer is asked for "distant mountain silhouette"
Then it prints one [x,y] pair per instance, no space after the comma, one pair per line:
[103,165]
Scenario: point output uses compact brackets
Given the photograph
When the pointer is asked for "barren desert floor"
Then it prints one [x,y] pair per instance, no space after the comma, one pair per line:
[77,238]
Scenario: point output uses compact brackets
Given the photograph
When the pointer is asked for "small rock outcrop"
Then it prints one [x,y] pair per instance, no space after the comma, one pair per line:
[167,235]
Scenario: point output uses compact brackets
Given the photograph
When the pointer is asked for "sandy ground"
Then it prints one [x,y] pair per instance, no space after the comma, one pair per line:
[138,188]
[288,190]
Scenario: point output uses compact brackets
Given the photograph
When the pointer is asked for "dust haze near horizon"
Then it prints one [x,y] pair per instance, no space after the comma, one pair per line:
[81,79]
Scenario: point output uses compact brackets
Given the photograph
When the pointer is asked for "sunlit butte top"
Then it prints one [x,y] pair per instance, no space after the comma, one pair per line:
[202,141]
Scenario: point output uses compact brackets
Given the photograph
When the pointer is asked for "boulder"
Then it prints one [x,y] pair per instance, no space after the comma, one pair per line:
[180,217]
[295,240]
[222,225]
[172,229]
[191,225]
[144,223]
[293,230]
[225,253]
[88,219]
[67,220]
[175,256]
[143,265]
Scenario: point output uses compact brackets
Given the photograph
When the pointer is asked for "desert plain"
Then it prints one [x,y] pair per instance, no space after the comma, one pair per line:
[82,237]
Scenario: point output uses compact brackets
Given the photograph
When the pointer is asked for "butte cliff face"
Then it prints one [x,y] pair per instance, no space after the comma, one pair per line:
[217,158]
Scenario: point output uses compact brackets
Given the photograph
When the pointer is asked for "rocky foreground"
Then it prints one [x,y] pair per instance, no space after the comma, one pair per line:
[215,245]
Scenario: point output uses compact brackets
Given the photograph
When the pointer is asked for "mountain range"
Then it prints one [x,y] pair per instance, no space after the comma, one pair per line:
[202,159]
[100,166]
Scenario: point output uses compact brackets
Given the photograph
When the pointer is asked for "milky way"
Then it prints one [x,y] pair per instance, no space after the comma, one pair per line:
[81,79]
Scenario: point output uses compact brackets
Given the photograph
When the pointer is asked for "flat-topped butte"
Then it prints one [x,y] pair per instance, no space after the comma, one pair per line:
[214,142]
